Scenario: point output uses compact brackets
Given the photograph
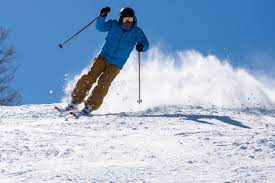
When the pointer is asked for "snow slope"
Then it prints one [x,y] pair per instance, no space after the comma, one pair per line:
[161,144]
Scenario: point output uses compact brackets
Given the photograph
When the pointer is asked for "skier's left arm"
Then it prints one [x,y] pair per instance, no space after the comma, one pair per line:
[142,40]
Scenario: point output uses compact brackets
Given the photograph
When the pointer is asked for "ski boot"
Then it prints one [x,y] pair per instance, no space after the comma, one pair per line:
[86,110]
[71,106]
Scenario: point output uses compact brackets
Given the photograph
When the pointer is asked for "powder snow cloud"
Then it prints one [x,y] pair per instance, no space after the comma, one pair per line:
[184,78]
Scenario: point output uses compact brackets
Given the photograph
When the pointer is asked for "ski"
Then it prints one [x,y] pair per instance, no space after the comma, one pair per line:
[78,114]
[64,110]
[61,110]
[74,113]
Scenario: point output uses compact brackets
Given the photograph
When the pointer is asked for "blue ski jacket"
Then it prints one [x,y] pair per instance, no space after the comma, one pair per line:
[120,41]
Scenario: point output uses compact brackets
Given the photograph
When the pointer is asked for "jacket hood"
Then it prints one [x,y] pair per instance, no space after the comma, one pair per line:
[135,21]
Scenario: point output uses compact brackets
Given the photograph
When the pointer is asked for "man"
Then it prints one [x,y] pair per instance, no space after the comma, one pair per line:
[122,37]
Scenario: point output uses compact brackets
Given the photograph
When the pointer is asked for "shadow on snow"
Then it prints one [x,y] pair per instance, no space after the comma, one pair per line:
[190,117]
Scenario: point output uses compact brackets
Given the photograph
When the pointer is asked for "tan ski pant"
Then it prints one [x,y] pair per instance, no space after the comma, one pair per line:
[106,73]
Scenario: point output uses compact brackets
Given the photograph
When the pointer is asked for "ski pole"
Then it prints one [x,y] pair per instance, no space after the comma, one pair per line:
[65,42]
[139,64]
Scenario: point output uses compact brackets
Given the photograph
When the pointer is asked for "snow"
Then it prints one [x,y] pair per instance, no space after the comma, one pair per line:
[160,144]
[186,77]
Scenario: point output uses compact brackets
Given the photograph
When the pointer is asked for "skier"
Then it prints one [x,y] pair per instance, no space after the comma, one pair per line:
[122,37]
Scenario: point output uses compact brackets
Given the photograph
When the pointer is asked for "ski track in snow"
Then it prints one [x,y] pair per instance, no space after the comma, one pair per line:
[164,144]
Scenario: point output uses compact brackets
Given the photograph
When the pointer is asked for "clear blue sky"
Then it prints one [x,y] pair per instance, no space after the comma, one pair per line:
[242,30]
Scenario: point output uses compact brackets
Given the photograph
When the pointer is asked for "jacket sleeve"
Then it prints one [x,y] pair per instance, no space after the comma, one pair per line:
[143,40]
[102,25]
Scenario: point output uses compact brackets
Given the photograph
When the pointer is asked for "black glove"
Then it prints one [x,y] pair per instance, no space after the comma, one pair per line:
[139,47]
[105,11]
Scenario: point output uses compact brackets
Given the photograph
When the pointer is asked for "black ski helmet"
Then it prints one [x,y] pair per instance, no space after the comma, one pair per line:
[126,12]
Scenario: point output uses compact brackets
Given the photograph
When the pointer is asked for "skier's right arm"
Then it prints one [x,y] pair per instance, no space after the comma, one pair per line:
[103,25]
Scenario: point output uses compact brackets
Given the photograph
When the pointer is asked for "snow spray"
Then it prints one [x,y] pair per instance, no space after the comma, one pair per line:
[183,79]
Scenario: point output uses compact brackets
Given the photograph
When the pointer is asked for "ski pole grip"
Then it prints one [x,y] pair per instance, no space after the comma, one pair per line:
[60,46]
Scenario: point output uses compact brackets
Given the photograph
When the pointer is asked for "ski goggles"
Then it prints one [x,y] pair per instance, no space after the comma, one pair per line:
[128,19]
